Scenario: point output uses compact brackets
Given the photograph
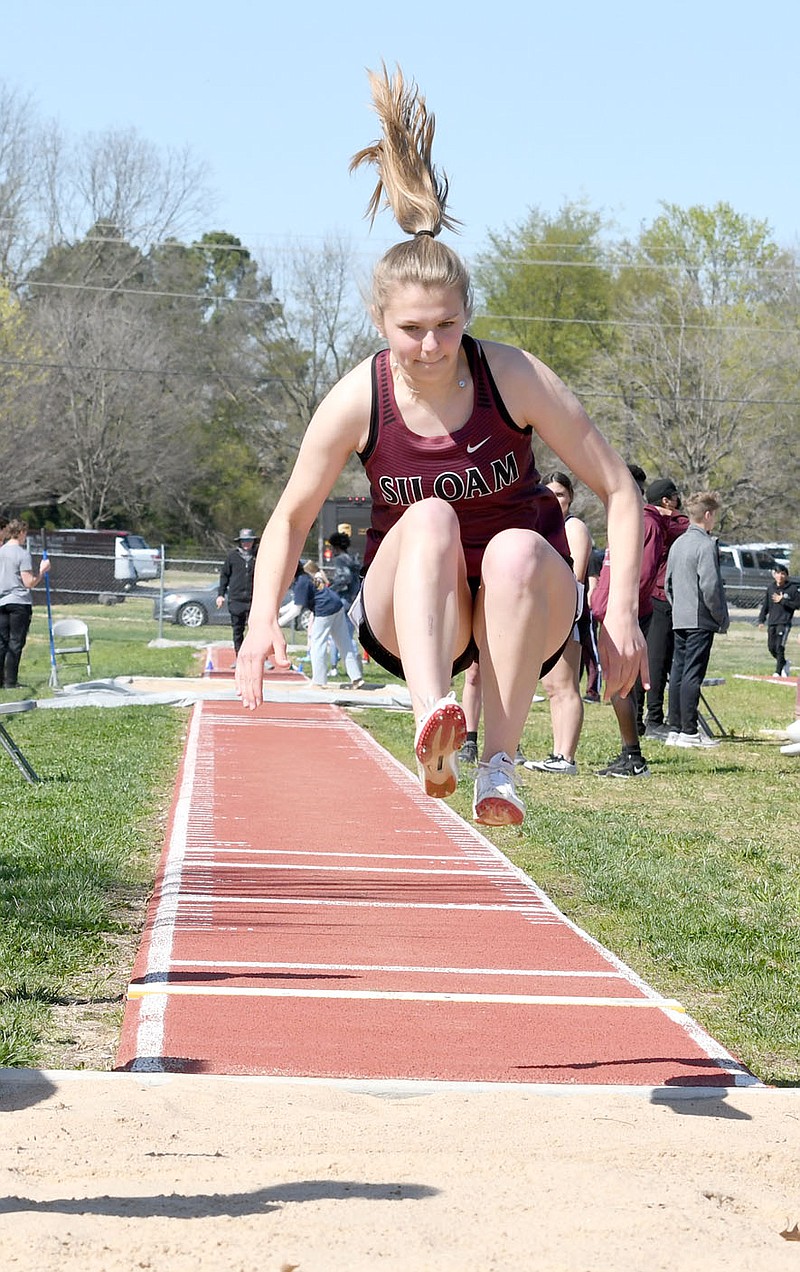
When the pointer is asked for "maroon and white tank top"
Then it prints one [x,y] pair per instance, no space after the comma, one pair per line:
[485,470]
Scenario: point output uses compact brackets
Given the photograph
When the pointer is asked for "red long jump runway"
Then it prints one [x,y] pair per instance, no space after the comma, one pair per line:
[317,916]
[218,661]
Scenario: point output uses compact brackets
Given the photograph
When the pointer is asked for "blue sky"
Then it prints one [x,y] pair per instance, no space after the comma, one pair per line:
[623,104]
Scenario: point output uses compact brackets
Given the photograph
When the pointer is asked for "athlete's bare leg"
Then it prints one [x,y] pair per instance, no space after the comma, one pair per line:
[524,610]
[417,599]
[471,697]
[562,686]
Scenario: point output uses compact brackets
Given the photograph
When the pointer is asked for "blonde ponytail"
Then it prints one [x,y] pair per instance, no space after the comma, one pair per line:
[409,184]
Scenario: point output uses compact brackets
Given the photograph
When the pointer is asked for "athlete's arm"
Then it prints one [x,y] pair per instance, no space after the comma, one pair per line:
[535,396]
[338,427]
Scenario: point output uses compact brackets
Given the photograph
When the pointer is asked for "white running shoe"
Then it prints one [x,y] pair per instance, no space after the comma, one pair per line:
[672,737]
[553,764]
[441,733]
[496,802]
[696,739]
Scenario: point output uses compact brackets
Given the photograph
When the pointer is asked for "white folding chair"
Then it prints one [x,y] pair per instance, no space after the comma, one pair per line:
[75,633]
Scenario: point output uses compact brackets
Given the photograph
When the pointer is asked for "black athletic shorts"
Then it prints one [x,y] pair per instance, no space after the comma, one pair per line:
[391,663]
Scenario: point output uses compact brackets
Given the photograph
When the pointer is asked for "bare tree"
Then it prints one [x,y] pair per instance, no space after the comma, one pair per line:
[19,181]
[109,440]
[324,332]
[118,179]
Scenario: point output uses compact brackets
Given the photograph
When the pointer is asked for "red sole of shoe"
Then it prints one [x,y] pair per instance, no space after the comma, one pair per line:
[443,735]
[498,812]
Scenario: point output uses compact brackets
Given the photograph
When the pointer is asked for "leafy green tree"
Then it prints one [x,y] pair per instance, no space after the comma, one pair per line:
[546,286]
[690,390]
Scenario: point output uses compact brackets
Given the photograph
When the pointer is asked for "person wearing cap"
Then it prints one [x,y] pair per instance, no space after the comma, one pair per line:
[236,579]
[663,500]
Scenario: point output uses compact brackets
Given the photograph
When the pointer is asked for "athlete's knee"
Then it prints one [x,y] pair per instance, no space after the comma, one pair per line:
[432,517]
[524,558]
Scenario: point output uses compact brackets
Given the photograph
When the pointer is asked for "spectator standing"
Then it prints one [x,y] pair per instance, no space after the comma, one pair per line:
[664,500]
[345,580]
[236,578]
[629,708]
[590,658]
[777,611]
[329,623]
[694,588]
[562,683]
[17,577]
[343,572]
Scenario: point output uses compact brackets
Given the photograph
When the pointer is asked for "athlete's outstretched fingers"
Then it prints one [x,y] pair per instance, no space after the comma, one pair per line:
[257,647]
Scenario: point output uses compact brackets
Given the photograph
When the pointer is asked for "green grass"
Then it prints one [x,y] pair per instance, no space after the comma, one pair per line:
[77,853]
[691,876]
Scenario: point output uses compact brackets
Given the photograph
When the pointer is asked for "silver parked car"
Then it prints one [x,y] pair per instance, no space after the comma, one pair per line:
[197,606]
[193,607]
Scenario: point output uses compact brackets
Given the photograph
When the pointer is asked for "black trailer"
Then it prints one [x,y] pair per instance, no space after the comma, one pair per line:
[349,514]
[91,566]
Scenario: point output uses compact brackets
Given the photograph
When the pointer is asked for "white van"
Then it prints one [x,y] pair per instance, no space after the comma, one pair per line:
[134,559]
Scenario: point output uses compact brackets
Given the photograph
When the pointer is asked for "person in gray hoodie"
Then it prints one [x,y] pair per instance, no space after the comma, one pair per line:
[694,588]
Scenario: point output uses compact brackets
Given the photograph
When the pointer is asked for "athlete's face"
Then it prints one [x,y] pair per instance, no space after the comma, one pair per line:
[562,495]
[423,327]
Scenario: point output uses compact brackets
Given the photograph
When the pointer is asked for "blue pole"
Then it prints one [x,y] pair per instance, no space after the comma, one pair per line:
[53,667]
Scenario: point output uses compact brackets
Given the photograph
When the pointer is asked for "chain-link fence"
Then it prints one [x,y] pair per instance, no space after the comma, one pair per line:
[178,593]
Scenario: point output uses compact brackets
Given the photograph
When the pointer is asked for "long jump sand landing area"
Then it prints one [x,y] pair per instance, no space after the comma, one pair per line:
[316,916]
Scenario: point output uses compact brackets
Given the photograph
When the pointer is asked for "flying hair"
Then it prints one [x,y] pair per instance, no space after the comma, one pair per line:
[408,183]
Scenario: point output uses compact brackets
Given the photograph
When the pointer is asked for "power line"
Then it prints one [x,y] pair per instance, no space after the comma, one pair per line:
[606,261]
[205,300]
[635,322]
[195,373]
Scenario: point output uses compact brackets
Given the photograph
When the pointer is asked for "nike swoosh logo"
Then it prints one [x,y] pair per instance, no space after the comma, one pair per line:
[477,446]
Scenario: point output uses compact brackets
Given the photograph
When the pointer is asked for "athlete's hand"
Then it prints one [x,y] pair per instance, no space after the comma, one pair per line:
[623,655]
[261,643]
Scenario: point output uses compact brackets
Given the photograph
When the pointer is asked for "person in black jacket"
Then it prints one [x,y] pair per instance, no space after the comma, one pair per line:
[777,611]
[236,578]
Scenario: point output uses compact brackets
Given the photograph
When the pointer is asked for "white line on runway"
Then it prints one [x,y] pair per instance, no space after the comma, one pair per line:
[525,1000]
[390,967]
[188,899]
[367,856]
[394,870]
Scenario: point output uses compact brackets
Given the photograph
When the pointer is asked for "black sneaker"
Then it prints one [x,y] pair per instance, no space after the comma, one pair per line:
[626,766]
[469,753]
